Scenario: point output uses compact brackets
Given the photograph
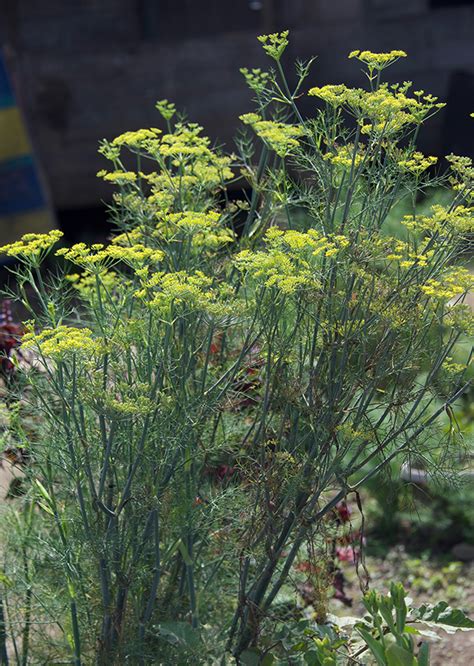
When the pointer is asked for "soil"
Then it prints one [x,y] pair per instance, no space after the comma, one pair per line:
[451,649]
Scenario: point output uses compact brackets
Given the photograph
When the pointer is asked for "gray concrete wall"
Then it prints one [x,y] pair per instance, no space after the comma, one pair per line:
[87,69]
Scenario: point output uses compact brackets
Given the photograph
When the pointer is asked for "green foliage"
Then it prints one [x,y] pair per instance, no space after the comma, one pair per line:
[392,632]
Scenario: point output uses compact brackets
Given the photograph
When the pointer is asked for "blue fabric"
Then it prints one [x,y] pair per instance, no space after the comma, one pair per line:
[20,188]
[6,93]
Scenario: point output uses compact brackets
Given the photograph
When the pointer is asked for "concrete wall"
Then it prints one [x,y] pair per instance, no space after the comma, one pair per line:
[87,69]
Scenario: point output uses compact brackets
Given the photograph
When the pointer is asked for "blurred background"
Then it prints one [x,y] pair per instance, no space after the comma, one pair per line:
[75,71]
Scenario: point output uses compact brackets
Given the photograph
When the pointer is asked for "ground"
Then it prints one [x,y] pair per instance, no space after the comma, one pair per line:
[426,580]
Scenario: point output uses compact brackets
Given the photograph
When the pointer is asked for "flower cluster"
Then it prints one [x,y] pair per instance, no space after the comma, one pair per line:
[289,259]
[275,44]
[311,240]
[90,290]
[417,163]
[405,255]
[204,229]
[189,170]
[98,256]
[63,340]
[117,177]
[186,141]
[167,109]
[138,139]
[462,173]
[461,318]
[452,368]
[280,137]
[163,291]
[384,111]
[453,284]
[459,220]
[255,78]
[377,61]
[137,406]
[32,246]
[346,156]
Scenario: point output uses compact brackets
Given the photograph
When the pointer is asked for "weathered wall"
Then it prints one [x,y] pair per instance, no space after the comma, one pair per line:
[87,69]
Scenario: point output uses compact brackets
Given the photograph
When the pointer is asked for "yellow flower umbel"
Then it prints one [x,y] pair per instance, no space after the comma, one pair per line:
[187,169]
[417,163]
[407,256]
[346,156]
[382,112]
[377,61]
[274,44]
[335,95]
[142,138]
[458,221]
[290,259]
[32,247]
[165,292]
[452,368]
[255,78]
[454,284]
[203,229]
[117,177]
[166,109]
[280,137]
[134,255]
[462,178]
[91,290]
[98,257]
[59,342]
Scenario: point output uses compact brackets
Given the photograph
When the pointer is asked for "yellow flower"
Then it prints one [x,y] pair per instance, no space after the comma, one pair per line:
[407,257]
[384,111]
[460,220]
[274,44]
[280,137]
[119,177]
[346,156]
[98,257]
[334,94]
[290,259]
[32,246]
[255,78]
[453,368]
[63,340]
[204,229]
[452,284]
[191,291]
[417,163]
[377,60]
[138,138]
[167,109]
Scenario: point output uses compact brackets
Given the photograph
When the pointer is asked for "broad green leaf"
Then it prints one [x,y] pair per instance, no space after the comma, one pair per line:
[443,614]
[311,658]
[427,633]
